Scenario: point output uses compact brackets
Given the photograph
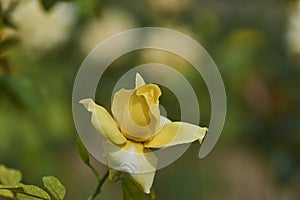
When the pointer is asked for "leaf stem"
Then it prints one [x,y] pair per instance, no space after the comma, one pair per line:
[99,186]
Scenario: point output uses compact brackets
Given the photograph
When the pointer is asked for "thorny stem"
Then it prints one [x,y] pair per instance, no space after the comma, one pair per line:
[99,186]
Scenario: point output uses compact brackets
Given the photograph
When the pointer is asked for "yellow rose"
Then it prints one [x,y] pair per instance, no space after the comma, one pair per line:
[139,128]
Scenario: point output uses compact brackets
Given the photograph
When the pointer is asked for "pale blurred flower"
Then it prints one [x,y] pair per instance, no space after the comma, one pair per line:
[111,21]
[167,58]
[6,4]
[169,6]
[41,30]
[293,32]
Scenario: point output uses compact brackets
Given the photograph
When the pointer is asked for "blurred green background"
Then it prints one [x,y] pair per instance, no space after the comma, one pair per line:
[255,44]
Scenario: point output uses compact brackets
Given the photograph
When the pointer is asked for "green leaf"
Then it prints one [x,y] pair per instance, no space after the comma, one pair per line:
[29,190]
[55,187]
[130,190]
[25,197]
[84,155]
[89,8]
[47,4]
[9,176]
[6,193]
[23,90]
[7,45]
[152,194]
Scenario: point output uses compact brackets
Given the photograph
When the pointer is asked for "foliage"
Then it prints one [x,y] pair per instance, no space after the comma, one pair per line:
[11,188]
[130,190]
[55,187]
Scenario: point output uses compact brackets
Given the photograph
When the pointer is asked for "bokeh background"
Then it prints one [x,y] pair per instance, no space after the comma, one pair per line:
[255,44]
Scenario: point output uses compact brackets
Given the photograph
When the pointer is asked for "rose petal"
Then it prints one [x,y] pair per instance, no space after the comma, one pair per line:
[144,180]
[131,157]
[103,122]
[139,81]
[137,111]
[176,133]
[134,159]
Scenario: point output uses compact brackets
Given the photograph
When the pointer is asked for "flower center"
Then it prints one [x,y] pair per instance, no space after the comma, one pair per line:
[141,101]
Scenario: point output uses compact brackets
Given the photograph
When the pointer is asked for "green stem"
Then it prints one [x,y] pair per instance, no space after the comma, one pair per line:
[94,171]
[99,185]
